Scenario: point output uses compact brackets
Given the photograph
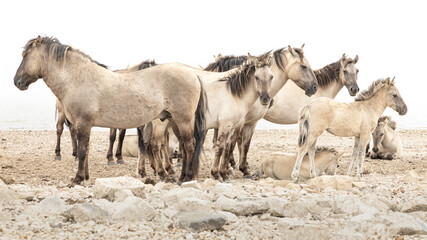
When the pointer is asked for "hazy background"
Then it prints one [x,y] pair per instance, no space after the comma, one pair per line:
[389,37]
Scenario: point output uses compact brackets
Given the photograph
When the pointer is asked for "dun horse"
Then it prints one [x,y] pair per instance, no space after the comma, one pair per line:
[331,78]
[288,63]
[94,96]
[279,165]
[62,119]
[357,119]
[386,141]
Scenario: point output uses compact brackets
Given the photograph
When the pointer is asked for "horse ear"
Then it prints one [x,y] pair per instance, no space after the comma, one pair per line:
[356,59]
[343,57]
[302,46]
[38,41]
[392,81]
[250,59]
[218,57]
[291,50]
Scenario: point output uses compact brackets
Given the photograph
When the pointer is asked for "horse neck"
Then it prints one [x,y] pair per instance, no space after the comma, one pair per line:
[76,70]
[376,103]
[250,94]
[330,91]
[279,80]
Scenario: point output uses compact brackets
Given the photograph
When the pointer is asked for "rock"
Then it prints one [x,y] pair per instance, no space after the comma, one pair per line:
[281,183]
[403,224]
[199,221]
[360,185]
[351,205]
[412,176]
[209,182]
[134,209]
[192,184]
[229,217]
[289,223]
[25,192]
[107,187]
[300,208]
[53,204]
[277,206]
[223,189]
[243,205]
[292,185]
[418,204]
[121,194]
[6,195]
[192,204]
[85,212]
[338,182]
[174,196]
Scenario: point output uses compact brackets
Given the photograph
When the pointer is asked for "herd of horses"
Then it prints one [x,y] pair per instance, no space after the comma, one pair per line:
[230,96]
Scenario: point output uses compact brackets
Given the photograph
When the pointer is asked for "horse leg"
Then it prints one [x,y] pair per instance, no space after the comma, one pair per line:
[301,153]
[219,148]
[142,152]
[246,134]
[73,136]
[215,137]
[156,155]
[311,153]
[189,145]
[119,157]
[59,130]
[231,147]
[354,155]
[166,156]
[362,145]
[225,166]
[110,147]
[83,136]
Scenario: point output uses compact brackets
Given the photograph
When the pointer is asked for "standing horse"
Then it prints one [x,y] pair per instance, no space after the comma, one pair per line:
[62,119]
[357,119]
[331,78]
[386,141]
[229,101]
[94,96]
[288,63]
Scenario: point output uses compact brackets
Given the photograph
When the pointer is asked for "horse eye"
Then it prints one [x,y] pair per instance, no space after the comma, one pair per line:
[256,78]
[303,66]
[271,78]
[345,71]
[382,134]
[395,95]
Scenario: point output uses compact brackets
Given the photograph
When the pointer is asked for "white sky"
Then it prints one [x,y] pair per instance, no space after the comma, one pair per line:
[389,37]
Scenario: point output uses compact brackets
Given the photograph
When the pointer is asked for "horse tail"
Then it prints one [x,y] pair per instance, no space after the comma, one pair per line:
[142,138]
[200,130]
[66,121]
[303,125]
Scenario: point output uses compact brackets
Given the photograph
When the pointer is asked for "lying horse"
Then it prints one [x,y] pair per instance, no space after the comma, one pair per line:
[386,141]
[357,119]
[279,165]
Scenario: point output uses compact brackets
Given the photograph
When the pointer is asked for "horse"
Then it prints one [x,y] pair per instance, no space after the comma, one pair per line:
[358,119]
[279,165]
[386,141]
[229,101]
[95,96]
[331,79]
[62,119]
[288,63]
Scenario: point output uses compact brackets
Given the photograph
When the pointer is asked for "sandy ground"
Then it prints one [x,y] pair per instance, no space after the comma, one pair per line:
[28,156]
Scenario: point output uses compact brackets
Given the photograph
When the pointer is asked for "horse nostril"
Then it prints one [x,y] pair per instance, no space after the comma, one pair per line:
[314,88]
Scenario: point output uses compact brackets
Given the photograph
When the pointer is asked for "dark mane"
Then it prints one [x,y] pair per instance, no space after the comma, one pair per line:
[372,89]
[328,74]
[56,49]
[238,81]
[146,64]
[226,63]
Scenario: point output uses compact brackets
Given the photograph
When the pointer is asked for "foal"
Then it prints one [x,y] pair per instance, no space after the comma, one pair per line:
[356,119]
[386,141]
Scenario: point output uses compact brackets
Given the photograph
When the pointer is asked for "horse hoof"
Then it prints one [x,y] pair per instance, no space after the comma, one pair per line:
[120,161]
[111,163]
[58,158]
[170,179]
[248,176]
[150,181]
[142,174]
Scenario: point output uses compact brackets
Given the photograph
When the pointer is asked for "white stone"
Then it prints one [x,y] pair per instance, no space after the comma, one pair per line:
[134,209]
[85,212]
[277,206]
[193,204]
[229,217]
[53,204]
[199,221]
[107,187]
[6,195]
[192,184]
[418,204]
[173,196]
[243,205]
[338,182]
[289,223]
[209,182]
[121,194]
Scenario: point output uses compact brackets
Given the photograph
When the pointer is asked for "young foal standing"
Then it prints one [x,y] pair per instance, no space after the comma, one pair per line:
[95,96]
[386,141]
[356,119]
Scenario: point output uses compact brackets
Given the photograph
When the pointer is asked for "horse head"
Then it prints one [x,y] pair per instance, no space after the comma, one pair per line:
[348,74]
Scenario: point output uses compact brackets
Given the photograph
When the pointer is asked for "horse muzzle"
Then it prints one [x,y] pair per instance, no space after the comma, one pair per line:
[403,111]
[375,149]
[264,99]
[20,84]
[353,91]
[311,91]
